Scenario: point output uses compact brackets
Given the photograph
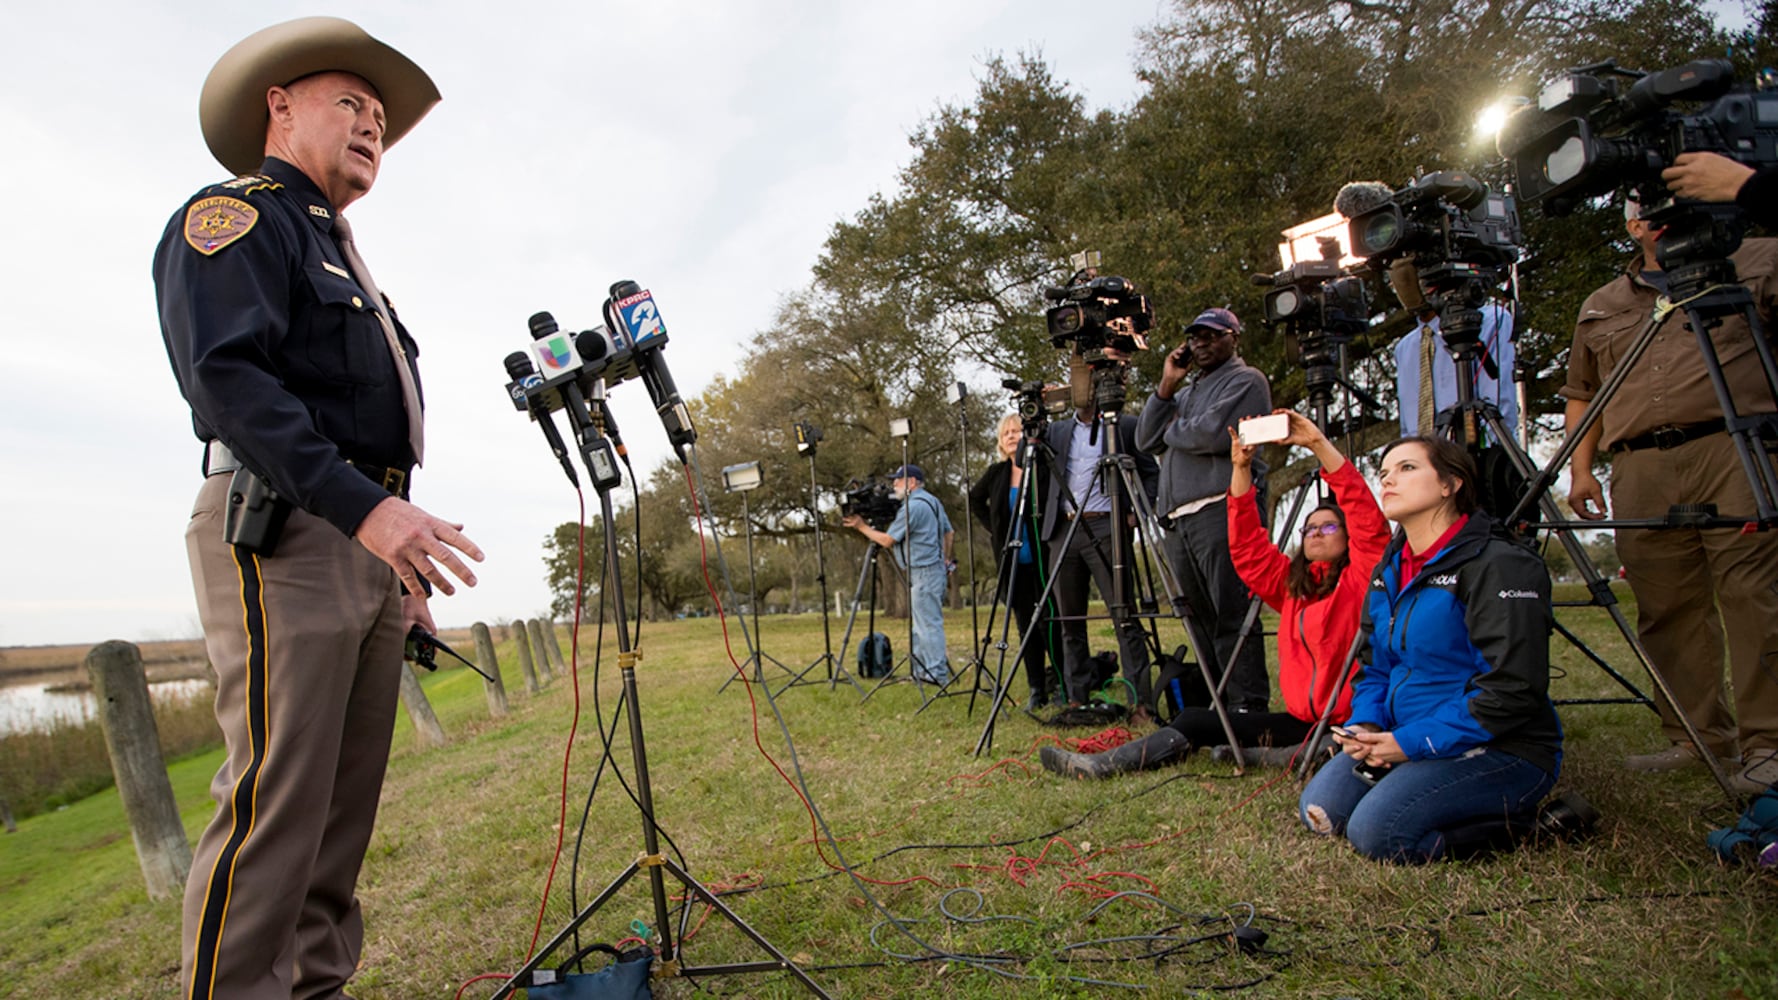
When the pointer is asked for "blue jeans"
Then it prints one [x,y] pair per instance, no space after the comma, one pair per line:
[930,662]
[1424,810]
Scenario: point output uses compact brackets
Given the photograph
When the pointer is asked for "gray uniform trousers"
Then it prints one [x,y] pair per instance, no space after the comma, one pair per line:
[307,649]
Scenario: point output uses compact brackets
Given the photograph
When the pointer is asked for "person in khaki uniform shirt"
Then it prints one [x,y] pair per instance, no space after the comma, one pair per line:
[1698,591]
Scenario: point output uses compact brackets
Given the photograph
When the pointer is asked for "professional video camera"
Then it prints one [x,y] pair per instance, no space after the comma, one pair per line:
[872,499]
[1318,303]
[1036,405]
[1590,134]
[1442,219]
[1090,303]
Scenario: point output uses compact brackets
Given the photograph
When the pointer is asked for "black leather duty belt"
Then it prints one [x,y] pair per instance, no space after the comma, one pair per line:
[218,459]
[1670,436]
[1091,515]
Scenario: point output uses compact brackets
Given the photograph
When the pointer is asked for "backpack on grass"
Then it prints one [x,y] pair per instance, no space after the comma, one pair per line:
[875,656]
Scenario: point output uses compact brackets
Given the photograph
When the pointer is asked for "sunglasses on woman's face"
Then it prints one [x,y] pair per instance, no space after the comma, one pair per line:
[1327,528]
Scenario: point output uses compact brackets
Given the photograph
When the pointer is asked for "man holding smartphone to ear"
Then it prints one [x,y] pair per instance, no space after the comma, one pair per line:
[1205,389]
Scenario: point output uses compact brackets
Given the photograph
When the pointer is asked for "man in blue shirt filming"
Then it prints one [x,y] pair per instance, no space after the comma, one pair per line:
[920,538]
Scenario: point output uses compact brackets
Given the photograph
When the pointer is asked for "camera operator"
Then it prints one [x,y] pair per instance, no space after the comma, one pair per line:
[1425,374]
[1664,432]
[920,538]
[1205,389]
[1714,177]
[1079,443]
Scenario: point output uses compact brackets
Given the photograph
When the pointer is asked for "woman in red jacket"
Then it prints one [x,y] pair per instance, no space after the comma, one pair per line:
[1318,594]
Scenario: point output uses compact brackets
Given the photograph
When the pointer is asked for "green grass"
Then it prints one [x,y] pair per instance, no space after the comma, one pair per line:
[455,872]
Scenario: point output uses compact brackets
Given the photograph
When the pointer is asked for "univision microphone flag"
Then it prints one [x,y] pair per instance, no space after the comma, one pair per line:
[555,355]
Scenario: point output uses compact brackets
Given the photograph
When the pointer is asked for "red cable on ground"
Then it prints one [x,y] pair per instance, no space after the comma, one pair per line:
[567,751]
[753,703]
[573,724]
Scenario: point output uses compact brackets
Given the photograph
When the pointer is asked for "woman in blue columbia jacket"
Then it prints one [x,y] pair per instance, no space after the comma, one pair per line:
[1453,740]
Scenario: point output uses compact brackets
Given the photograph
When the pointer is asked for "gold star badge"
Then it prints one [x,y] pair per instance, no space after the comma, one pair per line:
[213,223]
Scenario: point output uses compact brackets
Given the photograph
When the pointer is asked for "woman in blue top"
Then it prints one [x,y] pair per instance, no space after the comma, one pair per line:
[993,499]
[1452,741]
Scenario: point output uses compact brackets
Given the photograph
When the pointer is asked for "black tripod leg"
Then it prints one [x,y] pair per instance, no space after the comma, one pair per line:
[1577,553]
[1148,523]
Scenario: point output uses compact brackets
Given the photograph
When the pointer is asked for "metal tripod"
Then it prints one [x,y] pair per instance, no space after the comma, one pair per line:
[758,656]
[1109,400]
[836,668]
[656,865]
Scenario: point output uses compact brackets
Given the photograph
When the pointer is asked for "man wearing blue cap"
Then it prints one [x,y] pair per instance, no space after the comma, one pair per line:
[1205,389]
[920,538]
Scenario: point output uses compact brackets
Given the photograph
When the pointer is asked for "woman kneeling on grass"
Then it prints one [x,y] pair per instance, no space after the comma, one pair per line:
[1318,594]
[1452,741]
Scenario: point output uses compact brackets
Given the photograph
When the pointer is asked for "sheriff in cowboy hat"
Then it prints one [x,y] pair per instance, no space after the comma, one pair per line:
[304,390]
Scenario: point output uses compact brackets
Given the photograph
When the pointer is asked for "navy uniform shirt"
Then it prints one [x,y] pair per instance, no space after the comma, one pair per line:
[276,347]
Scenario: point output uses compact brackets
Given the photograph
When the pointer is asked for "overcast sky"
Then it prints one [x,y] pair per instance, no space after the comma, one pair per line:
[703,149]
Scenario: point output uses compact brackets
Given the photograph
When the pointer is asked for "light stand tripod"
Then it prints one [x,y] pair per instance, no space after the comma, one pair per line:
[808,436]
[1108,401]
[591,428]
[744,479]
[959,395]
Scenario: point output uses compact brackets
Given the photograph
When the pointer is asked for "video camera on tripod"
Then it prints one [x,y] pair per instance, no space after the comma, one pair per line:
[1461,238]
[1036,404]
[1096,313]
[872,499]
[1088,310]
[1319,304]
[1590,135]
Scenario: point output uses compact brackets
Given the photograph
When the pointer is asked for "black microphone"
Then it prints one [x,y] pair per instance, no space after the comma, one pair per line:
[631,313]
[1359,197]
[595,450]
[520,369]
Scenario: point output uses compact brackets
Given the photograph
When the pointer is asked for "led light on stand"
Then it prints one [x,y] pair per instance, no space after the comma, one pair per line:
[956,392]
[900,427]
[741,478]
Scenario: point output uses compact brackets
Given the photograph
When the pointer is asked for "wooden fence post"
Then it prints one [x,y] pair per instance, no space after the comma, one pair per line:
[427,731]
[555,647]
[526,667]
[120,686]
[541,648]
[484,658]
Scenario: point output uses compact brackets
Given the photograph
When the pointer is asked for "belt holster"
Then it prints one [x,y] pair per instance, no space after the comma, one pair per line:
[256,513]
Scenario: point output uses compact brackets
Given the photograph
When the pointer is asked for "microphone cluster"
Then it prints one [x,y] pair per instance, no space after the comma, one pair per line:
[571,372]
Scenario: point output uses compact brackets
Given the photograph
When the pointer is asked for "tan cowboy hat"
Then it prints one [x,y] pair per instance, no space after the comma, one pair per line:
[232,108]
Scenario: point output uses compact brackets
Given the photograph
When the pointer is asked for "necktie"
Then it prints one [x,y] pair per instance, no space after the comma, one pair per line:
[410,393]
[1428,413]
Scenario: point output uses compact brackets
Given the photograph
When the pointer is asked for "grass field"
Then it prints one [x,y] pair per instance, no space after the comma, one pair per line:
[990,857]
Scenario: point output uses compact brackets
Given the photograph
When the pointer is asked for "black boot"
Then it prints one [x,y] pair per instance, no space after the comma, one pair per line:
[1153,750]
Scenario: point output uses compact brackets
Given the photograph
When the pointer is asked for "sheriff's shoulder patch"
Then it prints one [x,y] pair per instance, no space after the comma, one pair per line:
[213,223]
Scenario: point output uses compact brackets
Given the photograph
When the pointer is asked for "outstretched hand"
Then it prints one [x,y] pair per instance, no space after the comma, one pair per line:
[409,539]
[1303,432]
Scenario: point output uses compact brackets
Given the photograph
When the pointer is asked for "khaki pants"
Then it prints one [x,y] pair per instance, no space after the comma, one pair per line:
[307,650]
[1694,588]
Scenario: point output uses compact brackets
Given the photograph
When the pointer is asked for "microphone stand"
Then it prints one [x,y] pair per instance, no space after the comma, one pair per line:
[595,450]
